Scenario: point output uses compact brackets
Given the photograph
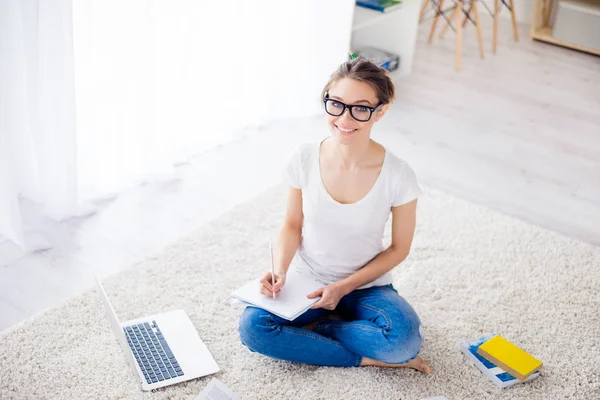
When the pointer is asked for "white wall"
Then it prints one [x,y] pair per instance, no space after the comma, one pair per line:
[523,11]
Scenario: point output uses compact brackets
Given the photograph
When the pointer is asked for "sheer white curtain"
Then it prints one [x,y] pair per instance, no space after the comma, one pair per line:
[37,112]
[97,95]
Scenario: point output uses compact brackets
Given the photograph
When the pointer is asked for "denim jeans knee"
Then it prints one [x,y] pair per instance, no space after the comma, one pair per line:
[253,327]
[400,349]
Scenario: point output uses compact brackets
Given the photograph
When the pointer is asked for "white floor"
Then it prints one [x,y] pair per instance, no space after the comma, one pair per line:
[518,132]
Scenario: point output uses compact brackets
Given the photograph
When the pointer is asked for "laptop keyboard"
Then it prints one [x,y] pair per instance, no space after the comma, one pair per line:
[153,354]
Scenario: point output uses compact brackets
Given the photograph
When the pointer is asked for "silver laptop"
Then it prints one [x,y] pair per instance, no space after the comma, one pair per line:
[162,349]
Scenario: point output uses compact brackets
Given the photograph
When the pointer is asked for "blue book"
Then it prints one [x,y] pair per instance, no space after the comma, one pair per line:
[496,374]
[379,5]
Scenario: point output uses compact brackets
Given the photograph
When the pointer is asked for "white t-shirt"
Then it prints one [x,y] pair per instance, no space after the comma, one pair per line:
[339,239]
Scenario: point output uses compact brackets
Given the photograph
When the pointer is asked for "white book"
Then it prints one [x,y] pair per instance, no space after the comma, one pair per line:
[217,390]
[291,301]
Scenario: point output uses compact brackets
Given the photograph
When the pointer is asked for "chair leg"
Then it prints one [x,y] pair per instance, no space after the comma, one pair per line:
[459,5]
[468,14]
[424,8]
[495,40]
[514,20]
[445,28]
[478,26]
[435,20]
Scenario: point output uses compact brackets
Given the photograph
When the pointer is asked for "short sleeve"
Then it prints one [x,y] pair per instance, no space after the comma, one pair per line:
[407,188]
[293,169]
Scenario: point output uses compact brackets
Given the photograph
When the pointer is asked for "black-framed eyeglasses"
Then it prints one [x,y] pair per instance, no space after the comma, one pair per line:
[358,112]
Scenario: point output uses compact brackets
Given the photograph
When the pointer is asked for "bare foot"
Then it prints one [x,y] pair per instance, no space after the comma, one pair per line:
[420,365]
[417,363]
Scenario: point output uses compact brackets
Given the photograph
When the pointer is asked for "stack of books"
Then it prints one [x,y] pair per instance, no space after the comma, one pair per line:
[379,5]
[501,361]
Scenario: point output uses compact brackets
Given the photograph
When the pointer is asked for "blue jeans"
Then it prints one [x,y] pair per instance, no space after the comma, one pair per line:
[376,323]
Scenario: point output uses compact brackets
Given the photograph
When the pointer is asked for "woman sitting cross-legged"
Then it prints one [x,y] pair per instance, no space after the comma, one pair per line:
[341,193]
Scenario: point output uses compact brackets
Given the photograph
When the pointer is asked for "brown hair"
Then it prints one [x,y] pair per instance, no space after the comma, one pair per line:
[368,72]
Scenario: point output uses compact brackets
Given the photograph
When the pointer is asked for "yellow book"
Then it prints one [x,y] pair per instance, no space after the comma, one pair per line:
[509,357]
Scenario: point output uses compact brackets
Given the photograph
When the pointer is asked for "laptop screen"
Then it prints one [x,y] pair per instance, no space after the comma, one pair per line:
[115,324]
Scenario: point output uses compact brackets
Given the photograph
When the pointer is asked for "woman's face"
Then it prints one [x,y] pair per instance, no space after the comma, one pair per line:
[352,92]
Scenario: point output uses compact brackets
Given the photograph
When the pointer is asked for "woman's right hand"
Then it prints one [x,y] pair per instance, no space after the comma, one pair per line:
[267,287]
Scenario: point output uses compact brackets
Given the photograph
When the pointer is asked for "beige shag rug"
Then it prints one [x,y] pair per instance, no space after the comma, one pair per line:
[471,272]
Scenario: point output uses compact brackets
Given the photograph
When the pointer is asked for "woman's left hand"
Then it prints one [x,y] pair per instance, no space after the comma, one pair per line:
[330,297]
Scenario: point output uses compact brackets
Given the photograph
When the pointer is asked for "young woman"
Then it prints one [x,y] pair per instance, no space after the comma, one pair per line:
[341,193]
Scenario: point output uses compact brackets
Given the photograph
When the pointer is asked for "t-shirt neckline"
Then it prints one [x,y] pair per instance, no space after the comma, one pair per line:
[324,189]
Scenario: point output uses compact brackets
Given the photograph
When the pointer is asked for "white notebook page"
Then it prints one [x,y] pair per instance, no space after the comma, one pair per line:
[291,300]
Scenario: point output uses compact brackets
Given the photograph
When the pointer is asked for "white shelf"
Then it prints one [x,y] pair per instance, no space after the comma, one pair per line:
[394,31]
[364,17]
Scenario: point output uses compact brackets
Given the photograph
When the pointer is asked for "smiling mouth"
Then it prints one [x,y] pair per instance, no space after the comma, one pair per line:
[344,131]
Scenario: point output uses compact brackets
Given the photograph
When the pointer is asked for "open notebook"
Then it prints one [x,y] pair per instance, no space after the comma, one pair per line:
[291,301]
